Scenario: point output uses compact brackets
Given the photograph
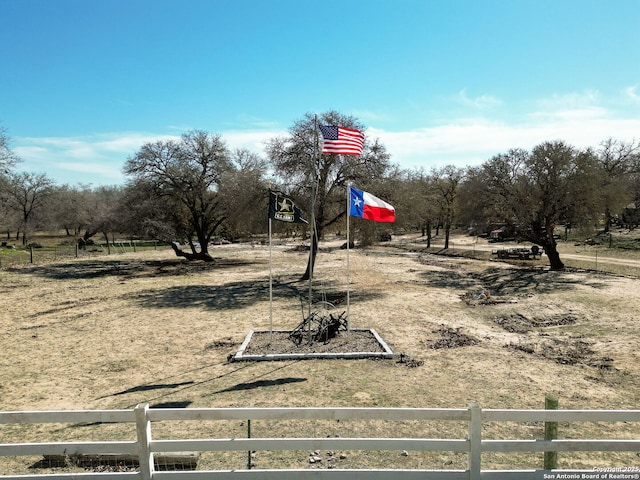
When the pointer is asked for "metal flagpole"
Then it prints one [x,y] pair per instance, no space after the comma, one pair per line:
[348,266]
[270,286]
[313,211]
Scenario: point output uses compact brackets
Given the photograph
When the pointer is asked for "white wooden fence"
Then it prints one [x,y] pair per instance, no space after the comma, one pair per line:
[145,447]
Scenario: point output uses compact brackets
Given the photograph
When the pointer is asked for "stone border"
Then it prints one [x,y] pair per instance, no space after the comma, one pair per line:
[240,356]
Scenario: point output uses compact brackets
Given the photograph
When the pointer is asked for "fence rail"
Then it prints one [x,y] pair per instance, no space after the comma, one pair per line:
[144,447]
[10,256]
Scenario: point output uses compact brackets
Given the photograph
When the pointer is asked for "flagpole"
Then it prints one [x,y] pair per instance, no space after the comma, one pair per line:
[270,286]
[313,210]
[348,266]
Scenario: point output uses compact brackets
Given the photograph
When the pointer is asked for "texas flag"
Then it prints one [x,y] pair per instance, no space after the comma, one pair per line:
[365,205]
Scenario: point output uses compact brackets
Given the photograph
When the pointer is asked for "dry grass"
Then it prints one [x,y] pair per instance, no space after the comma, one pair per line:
[112,332]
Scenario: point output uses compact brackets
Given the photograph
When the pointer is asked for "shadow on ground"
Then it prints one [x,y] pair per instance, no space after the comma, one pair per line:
[235,295]
[181,388]
[262,383]
[146,388]
[502,281]
[128,268]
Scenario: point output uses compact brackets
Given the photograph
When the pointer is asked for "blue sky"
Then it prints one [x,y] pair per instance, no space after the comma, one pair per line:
[83,84]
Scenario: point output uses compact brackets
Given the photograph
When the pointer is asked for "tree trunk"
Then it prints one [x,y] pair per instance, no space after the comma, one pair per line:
[607,220]
[205,257]
[554,257]
[447,232]
[543,236]
[87,235]
[311,262]
[313,251]
[551,248]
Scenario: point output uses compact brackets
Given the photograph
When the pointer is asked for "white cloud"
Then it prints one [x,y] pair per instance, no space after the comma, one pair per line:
[462,143]
[96,159]
[482,102]
[92,168]
[99,159]
[254,141]
[370,116]
[570,101]
[127,143]
[581,119]
[576,119]
[88,148]
[632,94]
[252,122]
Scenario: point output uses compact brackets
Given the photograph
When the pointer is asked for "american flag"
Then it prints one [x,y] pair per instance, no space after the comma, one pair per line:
[341,140]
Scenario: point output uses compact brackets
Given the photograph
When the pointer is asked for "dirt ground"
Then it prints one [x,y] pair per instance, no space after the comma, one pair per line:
[116,331]
[309,342]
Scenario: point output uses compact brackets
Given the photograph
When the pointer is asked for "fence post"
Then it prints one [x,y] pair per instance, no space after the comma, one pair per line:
[143,430]
[550,433]
[475,441]
[249,462]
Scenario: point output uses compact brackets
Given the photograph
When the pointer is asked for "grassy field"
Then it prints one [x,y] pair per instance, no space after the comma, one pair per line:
[110,332]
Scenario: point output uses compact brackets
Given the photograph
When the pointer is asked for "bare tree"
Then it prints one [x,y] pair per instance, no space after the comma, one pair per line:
[26,195]
[8,159]
[8,217]
[71,208]
[537,191]
[618,162]
[244,194]
[420,203]
[145,214]
[445,182]
[187,175]
[472,204]
[105,213]
[297,163]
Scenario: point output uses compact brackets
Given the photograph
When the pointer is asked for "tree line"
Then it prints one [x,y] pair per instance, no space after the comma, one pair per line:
[193,190]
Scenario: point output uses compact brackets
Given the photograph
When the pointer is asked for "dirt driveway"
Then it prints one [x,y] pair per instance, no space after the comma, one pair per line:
[584,253]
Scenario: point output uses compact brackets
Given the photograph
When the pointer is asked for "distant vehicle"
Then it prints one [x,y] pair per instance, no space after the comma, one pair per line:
[501,234]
